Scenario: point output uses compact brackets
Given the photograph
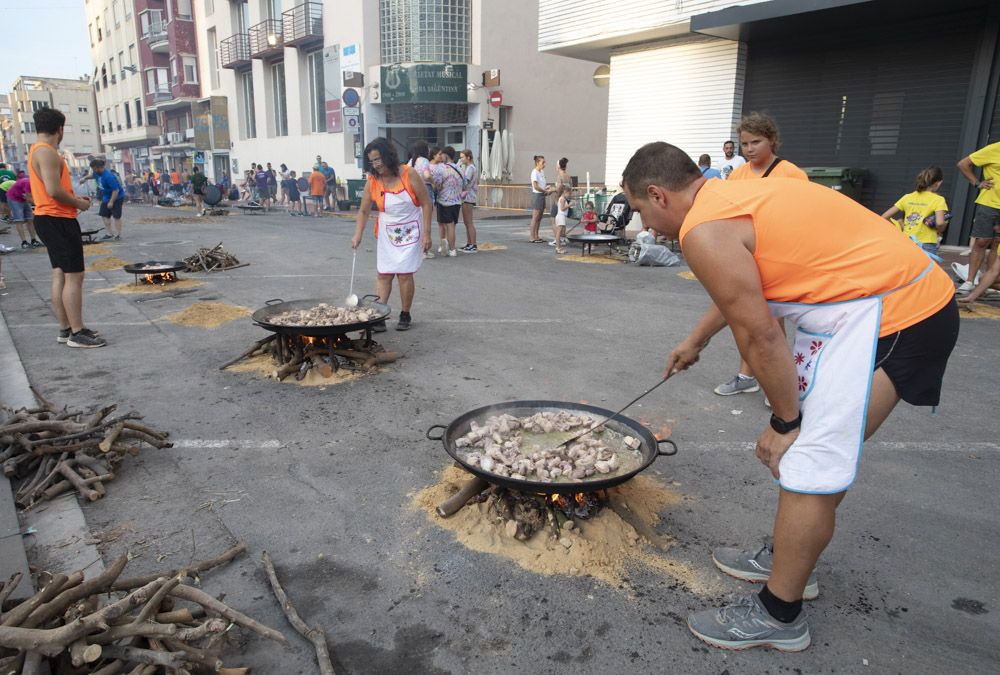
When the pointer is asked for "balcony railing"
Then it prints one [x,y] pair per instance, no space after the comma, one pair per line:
[303,25]
[156,36]
[235,51]
[162,94]
[266,39]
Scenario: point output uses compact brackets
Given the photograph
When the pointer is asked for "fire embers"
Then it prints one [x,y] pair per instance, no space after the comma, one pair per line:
[159,279]
[302,356]
[502,449]
[523,514]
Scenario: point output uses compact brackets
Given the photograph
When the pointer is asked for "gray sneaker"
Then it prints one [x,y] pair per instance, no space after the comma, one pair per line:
[85,340]
[738,385]
[755,567]
[747,624]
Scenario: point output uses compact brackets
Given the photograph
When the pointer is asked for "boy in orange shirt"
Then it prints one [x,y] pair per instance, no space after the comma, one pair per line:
[317,188]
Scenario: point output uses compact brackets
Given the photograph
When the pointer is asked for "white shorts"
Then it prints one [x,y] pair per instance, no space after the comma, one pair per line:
[561,219]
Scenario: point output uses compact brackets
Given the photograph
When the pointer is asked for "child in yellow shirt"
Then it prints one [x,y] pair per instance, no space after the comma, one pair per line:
[925,212]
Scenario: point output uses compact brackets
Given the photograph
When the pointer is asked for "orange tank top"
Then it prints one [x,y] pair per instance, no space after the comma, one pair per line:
[814,245]
[45,205]
[376,189]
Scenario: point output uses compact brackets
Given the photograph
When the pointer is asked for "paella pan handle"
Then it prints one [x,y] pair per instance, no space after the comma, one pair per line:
[273,301]
[375,297]
[433,427]
[664,453]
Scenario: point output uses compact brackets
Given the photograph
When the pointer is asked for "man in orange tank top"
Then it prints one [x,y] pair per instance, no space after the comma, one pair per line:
[56,208]
[867,335]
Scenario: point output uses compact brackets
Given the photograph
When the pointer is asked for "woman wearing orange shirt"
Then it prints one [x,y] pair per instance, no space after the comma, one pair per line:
[759,141]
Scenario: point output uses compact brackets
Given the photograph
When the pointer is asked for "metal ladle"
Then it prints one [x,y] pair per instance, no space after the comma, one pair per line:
[352,299]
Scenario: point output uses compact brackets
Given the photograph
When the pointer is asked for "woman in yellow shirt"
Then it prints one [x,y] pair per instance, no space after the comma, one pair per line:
[925,212]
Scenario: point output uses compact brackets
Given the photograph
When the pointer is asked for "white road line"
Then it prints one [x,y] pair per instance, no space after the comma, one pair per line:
[498,321]
[972,447]
[95,324]
[225,443]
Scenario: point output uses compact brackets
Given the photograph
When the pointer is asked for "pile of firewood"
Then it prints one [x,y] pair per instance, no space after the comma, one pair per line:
[153,622]
[50,451]
[212,260]
[292,356]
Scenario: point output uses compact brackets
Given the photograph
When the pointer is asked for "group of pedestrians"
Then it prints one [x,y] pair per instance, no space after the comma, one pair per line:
[307,193]
[452,187]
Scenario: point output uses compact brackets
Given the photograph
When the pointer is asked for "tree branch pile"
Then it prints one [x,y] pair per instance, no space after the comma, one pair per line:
[212,260]
[111,625]
[47,451]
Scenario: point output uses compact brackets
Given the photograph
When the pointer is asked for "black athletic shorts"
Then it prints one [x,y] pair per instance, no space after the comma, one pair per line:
[113,211]
[3,196]
[63,242]
[448,214]
[915,358]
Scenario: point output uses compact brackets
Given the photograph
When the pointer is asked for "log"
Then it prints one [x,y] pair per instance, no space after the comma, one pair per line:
[148,431]
[77,481]
[9,587]
[46,403]
[183,615]
[259,345]
[137,655]
[193,654]
[209,603]
[202,566]
[111,437]
[62,486]
[98,584]
[287,369]
[80,652]
[315,635]
[15,616]
[454,504]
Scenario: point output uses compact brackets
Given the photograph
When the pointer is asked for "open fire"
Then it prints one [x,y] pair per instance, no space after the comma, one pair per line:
[159,279]
[524,514]
[298,355]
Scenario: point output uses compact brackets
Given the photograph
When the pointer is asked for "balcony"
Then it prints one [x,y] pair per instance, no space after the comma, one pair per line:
[156,37]
[161,94]
[303,25]
[235,51]
[266,40]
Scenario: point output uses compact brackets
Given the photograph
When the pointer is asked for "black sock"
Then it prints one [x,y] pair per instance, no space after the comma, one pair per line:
[403,314]
[785,612]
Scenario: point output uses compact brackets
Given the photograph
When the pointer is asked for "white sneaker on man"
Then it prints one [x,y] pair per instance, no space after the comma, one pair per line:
[965,288]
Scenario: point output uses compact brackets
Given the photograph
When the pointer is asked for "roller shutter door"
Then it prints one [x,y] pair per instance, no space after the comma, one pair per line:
[887,98]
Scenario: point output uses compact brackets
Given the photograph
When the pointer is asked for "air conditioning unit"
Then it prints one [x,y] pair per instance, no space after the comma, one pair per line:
[163,139]
[121,75]
[175,137]
[189,133]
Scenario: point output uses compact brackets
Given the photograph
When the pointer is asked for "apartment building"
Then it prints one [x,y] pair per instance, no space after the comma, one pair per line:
[8,143]
[886,86]
[307,78]
[75,98]
[129,127]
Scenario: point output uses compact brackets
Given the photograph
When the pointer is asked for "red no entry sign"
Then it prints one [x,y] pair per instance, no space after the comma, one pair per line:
[496,98]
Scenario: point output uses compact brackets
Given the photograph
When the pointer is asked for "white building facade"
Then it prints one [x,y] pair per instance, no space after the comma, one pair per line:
[310,78]
[74,98]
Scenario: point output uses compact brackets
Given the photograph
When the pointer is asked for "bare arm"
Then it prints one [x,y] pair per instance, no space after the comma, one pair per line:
[967,168]
[50,166]
[891,212]
[686,354]
[989,278]
[940,223]
[113,197]
[363,212]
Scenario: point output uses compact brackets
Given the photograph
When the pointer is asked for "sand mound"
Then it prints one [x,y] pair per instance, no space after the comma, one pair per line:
[131,287]
[263,366]
[979,310]
[163,220]
[207,314]
[96,249]
[491,247]
[687,274]
[105,264]
[594,259]
[605,547]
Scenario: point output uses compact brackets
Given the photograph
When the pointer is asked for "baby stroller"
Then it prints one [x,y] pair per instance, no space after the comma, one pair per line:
[614,220]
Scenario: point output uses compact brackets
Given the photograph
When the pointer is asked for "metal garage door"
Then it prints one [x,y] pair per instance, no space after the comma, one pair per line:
[889,98]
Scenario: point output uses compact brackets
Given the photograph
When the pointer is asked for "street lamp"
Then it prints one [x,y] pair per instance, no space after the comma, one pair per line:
[272,39]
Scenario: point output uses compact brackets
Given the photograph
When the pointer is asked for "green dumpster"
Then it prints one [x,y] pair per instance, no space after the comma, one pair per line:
[845,179]
[355,190]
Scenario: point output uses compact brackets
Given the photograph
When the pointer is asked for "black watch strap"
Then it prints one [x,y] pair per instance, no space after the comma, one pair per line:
[783,427]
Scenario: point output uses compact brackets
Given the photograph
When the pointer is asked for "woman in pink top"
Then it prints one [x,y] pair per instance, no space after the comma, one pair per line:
[19,198]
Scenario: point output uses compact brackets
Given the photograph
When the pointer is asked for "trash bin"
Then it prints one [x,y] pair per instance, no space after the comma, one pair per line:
[355,190]
[844,179]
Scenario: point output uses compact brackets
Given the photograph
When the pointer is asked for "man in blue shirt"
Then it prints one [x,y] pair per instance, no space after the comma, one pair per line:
[112,197]
[705,164]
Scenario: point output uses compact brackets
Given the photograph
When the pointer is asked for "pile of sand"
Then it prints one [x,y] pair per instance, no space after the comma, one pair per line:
[491,247]
[979,310]
[163,220]
[96,249]
[141,287]
[687,274]
[593,258]
[105,264]
[207,314]
[604,547]
[264,366]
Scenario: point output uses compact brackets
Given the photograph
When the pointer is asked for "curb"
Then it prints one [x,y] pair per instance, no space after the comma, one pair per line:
[56,522]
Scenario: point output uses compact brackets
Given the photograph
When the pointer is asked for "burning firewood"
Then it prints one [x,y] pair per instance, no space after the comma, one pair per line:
[51,451]
[141,630]
[297,355]
[212,260]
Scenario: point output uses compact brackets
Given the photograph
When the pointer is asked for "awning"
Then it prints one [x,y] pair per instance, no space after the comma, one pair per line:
[731,23]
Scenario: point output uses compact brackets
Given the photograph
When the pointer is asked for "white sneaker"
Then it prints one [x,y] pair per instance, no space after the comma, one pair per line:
[552,243]
[965,288]
[452,253]
[959,270]
[428,255]
[442,250]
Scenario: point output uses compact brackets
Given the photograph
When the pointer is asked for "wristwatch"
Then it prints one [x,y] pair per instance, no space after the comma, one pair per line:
[783,427]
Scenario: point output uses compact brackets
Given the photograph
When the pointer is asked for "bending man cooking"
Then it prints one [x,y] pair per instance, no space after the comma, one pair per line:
[867,334]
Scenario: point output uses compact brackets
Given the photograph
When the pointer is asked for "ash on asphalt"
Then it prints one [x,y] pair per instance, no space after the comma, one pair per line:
[322,479]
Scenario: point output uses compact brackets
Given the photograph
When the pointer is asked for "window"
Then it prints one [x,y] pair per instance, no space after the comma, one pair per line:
[209,7]
[128,9]
[37,105]
[116,9]
[272,9]
[131,55]
[213,57]
[317,91]
[63,108]
[128,116]
[190,69]
[100,115]
[111,69]
[278,96]
[118,120]
[151,118]
[84,130]
[425,30]
[90,32]
[99,34]
[183,9]
[68,128]
[247,103]
[173,71]
[121,63]
[138,113]
[81,108]
[107,23]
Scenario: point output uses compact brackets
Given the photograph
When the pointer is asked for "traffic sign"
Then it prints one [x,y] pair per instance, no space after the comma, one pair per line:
[351,111]
[351,97]
[496,98]
[352,123]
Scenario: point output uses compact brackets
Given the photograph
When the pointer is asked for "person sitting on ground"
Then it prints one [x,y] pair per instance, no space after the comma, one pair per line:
[705,165]
[921,205]
[589,218]
[198,181]
[563,205]
[317,188]
[19,199]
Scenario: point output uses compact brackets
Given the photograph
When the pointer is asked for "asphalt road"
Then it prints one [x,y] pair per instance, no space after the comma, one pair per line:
[322,479]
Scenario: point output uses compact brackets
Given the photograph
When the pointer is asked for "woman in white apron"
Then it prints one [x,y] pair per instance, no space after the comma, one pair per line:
[402,227]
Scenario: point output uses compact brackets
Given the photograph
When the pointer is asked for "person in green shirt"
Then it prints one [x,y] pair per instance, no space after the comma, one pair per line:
[5,175]
[198,181]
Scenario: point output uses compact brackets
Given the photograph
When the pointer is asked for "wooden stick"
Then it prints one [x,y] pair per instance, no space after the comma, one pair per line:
[77,481]
[9,587]
[202,598]
[111,437]
[15,616]
[204,565]
[315,635]
[165,659]
[250,352]
[98,584]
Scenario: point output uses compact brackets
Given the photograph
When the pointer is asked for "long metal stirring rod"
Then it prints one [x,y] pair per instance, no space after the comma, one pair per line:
[614,415]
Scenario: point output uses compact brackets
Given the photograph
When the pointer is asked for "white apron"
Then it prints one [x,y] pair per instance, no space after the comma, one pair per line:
[400,233]
[834,354]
